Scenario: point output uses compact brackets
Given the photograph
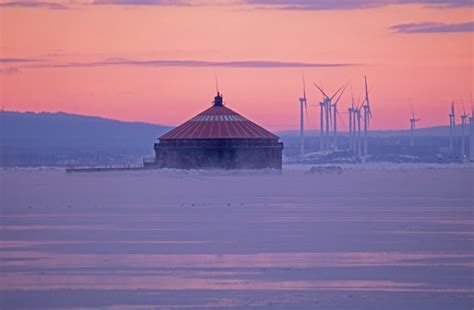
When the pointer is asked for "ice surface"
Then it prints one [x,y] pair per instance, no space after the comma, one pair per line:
[374,237]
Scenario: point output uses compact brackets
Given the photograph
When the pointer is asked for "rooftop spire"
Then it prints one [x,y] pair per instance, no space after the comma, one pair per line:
[218,102]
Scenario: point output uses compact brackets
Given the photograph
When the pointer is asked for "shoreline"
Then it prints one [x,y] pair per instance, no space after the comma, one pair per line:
[287,168]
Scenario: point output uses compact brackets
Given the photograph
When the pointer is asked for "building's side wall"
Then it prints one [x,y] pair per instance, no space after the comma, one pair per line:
[219,157]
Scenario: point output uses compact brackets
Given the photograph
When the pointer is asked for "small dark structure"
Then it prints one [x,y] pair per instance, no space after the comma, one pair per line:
[218,138]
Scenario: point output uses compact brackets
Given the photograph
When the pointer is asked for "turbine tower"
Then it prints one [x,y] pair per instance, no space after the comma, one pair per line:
[326,116]
[350,110]
[471,134]
[327,108]
[358,117]
[413,121]
[303,110]
[321,126]
[335,116]
[356,128]
[367,115]
[452,124]
[464,117]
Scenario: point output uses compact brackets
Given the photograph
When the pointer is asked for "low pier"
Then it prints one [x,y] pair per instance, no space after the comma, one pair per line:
[106,169]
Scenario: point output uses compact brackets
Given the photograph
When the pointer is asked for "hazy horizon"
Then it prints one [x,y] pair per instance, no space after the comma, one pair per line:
[343,128]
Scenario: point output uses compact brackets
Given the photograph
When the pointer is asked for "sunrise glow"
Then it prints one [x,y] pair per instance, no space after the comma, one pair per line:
[156,62]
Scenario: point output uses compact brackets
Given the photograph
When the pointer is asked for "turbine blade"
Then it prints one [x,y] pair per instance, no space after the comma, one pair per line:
[352,98]
[322,91]
[472,107]
[340,118]
[342,92]
[411,108]
[334,95]
[304,86]
[361,104]
[367,97]
[463,109]
[366,89]
[306,109]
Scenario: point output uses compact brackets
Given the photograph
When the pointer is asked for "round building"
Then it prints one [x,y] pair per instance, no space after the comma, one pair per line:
[218,138]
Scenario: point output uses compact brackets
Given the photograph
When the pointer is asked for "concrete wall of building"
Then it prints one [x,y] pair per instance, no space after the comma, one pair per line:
[222,155]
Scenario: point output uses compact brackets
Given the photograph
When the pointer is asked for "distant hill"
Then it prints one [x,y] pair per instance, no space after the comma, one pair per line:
[60,139]
[35,139]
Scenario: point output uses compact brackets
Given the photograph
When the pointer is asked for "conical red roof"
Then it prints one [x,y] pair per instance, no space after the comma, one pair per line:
[219,122]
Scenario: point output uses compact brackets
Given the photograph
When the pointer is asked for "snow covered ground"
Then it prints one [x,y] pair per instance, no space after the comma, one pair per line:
[373,238]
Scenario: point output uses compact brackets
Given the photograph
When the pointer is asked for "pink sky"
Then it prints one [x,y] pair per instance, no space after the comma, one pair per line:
[66,54]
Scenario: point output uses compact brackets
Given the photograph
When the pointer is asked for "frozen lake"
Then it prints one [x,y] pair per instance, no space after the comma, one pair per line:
[366,239]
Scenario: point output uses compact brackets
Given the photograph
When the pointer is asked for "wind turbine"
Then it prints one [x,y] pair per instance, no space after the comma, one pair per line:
[349,110]
[356,135]
[358,117]
[471,133]
[326,116]
[464,117]
[321,126]
[323,113]
[413,121]
[336,115]
[303,110]
[357,128]
[452,125]
[352,125]
[367,114]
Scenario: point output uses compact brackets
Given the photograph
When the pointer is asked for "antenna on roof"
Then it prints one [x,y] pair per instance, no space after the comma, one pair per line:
[218,99]
[217,84]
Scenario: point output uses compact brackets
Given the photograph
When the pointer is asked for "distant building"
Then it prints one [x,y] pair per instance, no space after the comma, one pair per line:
[218,138]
